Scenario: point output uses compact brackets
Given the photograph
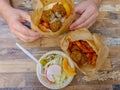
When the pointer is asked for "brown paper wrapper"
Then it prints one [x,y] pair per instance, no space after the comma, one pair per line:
[95,42]
[36,15]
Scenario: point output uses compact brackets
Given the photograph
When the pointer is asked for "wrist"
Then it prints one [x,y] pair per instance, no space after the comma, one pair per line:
[5,8]
[6,13]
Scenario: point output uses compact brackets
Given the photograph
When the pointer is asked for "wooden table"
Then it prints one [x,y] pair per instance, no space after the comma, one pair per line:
[17,71]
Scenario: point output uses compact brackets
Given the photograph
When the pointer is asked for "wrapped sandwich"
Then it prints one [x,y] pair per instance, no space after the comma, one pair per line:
[87,50]
[52,17]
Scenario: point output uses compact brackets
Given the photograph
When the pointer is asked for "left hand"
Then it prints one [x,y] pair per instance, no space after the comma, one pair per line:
[88,11]
[15,19]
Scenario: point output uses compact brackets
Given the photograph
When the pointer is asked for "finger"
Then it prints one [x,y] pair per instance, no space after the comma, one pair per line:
[91,24]
[24,37]
[82,19]
[26,31]
[28,39]
[25,16]
[79,9]
[88,23]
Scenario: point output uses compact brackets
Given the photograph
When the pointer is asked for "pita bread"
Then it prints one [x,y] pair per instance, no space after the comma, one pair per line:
[36,15]
[94,41]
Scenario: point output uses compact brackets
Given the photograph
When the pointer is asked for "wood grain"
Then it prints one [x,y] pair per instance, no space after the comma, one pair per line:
[18,72]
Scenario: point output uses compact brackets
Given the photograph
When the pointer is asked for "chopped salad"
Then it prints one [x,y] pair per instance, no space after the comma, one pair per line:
[56,68]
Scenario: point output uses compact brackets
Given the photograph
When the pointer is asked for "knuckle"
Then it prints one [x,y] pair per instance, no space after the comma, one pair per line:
[22,40]
[84,18]
[31,40]
[85,25]
[25,31]
[93,8]
[26,39]
[82,26]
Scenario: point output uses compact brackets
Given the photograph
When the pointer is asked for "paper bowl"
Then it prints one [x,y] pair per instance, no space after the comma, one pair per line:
[43,79]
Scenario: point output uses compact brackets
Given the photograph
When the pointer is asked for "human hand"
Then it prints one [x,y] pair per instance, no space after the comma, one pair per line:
[88,11]
[15,19]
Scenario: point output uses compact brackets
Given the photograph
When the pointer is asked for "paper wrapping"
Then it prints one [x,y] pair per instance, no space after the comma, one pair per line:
[36,15]
[97,44]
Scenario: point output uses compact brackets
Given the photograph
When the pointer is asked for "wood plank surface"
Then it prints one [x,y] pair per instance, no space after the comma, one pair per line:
[18,71]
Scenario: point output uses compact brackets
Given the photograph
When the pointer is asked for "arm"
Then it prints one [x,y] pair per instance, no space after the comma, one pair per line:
[15,18]
[6,5]
[88,11]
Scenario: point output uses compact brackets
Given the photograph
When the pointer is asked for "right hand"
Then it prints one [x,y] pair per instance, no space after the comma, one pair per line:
[14,18]
[88,11]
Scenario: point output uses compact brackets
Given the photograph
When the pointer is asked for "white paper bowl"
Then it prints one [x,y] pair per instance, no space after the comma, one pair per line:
[43,79]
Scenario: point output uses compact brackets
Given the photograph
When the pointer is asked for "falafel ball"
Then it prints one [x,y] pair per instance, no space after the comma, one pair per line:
[56,25]
[78,57]
[47,16]
[59,10]
[75,48]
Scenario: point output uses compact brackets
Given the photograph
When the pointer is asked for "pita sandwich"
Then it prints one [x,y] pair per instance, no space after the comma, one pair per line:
[52,17]
[87,50]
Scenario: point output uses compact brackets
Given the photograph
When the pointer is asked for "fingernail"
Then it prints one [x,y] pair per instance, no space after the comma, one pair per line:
[72,27]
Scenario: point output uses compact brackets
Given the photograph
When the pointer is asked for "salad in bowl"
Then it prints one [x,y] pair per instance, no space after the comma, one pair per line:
[58,70]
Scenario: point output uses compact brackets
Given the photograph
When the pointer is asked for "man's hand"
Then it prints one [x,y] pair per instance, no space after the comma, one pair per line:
[15,19]
[88,10]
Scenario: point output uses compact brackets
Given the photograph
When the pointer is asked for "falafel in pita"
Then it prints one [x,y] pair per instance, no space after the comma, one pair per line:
[52,17]
[87,50]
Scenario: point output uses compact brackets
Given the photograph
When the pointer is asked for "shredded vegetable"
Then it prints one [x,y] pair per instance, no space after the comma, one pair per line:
[54,59]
